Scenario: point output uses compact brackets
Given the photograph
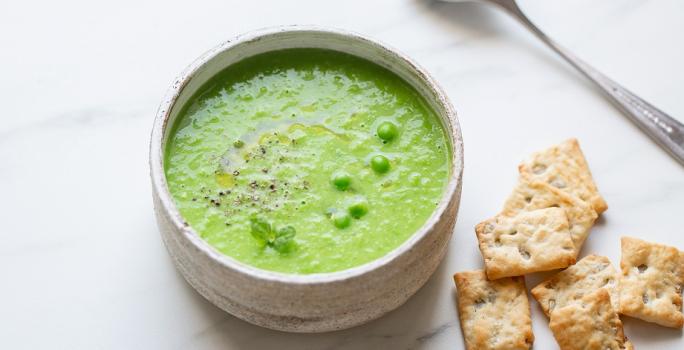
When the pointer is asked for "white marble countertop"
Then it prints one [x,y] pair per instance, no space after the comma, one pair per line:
[82,265]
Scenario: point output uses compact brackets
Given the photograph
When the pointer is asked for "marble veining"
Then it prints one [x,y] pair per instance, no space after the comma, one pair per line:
[82,263]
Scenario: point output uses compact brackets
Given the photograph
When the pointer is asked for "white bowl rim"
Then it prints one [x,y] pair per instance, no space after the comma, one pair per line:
[160,186]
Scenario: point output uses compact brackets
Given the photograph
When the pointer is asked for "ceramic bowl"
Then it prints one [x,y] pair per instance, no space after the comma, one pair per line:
[316,302]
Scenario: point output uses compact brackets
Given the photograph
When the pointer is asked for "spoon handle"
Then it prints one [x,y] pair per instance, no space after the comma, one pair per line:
[665,130]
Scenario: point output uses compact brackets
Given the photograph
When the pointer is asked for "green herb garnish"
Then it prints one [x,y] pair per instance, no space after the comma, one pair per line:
[265,233]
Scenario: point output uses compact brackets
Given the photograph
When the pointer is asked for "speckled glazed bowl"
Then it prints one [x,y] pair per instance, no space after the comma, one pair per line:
[316,302]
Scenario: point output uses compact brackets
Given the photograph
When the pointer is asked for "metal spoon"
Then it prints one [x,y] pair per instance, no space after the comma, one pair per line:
[665,130]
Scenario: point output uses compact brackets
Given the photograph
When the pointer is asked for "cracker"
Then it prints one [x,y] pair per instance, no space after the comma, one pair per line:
[493,314]
[528,196]
[533,241]
[564,167]
[575,282]
[651,282]
[591,324]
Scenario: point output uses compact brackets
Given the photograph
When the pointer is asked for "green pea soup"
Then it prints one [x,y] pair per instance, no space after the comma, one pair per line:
[306,161]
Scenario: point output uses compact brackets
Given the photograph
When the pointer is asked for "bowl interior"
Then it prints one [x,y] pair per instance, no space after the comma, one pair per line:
[230,52]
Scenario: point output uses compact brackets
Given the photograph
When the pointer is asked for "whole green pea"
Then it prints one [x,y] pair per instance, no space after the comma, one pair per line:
[387,131]
[380,164]
[358,209]
[341,180]
[341,220]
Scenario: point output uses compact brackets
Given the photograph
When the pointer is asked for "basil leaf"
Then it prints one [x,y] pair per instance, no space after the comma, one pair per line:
[282,245]
[284,241]
[287,232]
[262,230]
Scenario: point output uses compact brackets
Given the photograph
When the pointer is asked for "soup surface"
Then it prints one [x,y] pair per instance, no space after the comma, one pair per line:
[306,161]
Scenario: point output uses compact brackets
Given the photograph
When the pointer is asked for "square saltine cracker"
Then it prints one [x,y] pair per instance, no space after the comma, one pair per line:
[563,166]
[493,314]
[651,282]
[533,241]
[591,324]
[528,196]
[575,282]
